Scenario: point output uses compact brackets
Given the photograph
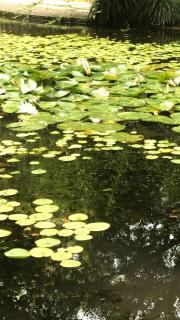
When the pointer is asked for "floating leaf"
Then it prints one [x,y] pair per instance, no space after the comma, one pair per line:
[49,232]
[27,85]
[65,233]
[5,208]
[74,225]
[75,249]
[70,263]
[8,192]
[83,237]
[41,216]
[3,217]
[17,216]
[45,225]
[13,203]
[25,222]
[98,226]
[17,253]
[61,255]
[47,242]
[78,217]
[42,201]
[47,208]
[81,231]
[176,161]
[41,252]
[38,171]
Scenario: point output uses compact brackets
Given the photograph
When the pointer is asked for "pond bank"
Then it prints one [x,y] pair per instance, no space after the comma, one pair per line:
[46,10]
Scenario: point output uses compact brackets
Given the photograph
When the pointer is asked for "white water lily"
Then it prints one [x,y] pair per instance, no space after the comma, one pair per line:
[27,107]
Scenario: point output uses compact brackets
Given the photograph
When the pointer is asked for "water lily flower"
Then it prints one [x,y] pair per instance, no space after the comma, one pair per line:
[27,107]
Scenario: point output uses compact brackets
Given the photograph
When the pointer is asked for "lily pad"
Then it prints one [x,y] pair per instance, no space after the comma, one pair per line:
[78,217]
[8,192]
[41,252]
[47,208]
[17,253]
[45,225]
[42,201]
[98,226]
[5,208]
[41,216]
[49,232]
[47,242]
[83,237]
[3,217]
[75,249]
[70,263]
[38,171]
[17,216]
[65,233]
[61,255]
[73,225]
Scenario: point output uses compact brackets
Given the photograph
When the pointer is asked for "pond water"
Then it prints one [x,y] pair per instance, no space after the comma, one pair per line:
[90,158]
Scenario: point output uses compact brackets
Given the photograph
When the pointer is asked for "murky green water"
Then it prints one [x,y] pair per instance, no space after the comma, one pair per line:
[128,272]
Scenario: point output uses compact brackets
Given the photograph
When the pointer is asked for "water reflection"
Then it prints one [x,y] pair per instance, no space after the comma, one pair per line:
[124,274]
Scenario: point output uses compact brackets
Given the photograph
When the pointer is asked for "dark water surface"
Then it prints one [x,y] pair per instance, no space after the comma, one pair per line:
[129,272]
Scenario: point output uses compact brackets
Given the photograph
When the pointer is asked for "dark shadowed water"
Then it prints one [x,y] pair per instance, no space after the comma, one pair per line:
[129,272]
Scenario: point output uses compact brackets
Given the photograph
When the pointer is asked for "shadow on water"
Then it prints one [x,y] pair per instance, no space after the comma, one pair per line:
[134,35]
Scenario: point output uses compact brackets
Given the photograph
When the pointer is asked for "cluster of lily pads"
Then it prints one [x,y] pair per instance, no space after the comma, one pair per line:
[48,231]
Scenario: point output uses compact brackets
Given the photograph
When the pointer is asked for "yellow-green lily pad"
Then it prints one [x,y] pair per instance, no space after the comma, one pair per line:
[98,226]
[41,252]
[5,208]
[42,201]
[17,216]
[70,263]
[41,216]
[45,225]
[75,249]
[65,233]
[49,232]
[78,217]
[61,255]
[47,242]
[73,225]
[83,237]
[17,253]
[8,192]
[47,208]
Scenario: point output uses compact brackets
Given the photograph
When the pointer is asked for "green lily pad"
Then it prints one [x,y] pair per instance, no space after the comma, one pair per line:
[8,192]
[41,252]
[41,216]
[75,249]
[17,253]
[65,233]
[47,242]
[42,201]
[25,222]
[176,161]
[78,217]
[49,232]
[97,226]
[61,255]
[73,225]
[70,263]
[47,208]
[38,171]
[5,208]
[3,217]
[83,237]
[18,216]
[45,225]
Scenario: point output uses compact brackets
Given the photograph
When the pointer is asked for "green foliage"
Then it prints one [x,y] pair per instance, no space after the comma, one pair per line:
[123,12]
